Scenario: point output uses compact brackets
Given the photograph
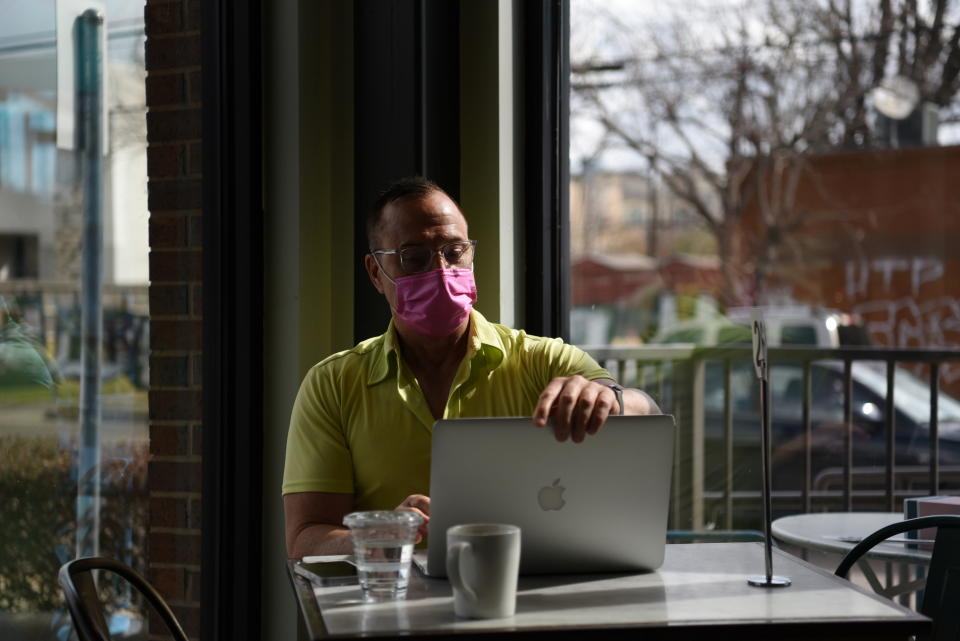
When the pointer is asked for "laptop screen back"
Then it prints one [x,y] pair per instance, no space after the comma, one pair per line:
[599,505]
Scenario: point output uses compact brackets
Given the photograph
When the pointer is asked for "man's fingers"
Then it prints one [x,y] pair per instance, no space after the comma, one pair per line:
[576,406]
[423,529]
[601,410]
[419,501]
[419,504]
[546,400]
[583,411]
[565,405]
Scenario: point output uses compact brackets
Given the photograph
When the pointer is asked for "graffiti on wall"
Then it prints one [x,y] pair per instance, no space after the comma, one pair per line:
[860,274]
[900,316]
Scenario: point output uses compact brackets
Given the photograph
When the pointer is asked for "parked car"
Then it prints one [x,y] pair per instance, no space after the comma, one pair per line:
[784,326]
[823,329]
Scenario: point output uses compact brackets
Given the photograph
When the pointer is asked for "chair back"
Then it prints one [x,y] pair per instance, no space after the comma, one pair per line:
[941,596]
[86,609]
[942,591]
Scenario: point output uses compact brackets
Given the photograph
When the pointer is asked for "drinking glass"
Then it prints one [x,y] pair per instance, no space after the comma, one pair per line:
[382,549]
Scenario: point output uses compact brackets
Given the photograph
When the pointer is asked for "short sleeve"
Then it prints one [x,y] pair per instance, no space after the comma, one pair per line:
[556,358]
[318,457]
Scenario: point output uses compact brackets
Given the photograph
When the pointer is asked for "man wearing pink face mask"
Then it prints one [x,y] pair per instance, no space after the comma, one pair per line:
[360,428]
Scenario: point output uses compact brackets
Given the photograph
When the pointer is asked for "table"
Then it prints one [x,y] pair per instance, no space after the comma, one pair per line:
[700,592]
[812,532]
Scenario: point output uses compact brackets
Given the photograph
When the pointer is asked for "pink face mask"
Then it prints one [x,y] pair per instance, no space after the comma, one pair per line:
[437,302]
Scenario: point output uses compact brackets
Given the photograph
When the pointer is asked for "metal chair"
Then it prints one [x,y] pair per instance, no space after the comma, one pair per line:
[942,592]
[86,609]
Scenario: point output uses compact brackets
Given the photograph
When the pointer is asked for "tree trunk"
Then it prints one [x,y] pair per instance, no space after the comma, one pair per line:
[734,290]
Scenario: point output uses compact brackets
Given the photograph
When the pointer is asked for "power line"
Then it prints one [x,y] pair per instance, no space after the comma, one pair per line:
[620,64]
[46,40]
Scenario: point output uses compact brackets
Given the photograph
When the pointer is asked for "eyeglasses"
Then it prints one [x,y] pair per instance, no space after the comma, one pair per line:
[417,259]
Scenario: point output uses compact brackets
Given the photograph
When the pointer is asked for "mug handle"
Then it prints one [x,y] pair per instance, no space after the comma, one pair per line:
[453,569]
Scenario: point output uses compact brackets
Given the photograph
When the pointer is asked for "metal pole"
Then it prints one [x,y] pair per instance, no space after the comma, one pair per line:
[761,365]
[89,93]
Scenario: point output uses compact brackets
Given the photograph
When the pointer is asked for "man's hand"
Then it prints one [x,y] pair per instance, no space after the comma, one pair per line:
[421,505]
[577,406]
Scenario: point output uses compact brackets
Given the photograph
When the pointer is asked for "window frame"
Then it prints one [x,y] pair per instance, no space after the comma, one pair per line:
[232,320]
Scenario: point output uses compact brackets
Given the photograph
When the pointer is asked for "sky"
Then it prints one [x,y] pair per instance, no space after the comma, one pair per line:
[593,37]
[34,22]
[21,17]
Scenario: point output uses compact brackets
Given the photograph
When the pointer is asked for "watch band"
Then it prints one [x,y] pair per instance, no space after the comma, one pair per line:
[619,392]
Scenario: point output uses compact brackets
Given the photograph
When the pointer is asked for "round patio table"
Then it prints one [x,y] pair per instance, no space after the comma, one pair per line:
[838,532]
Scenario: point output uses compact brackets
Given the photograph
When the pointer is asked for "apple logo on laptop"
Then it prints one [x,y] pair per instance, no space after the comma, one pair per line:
[550,497]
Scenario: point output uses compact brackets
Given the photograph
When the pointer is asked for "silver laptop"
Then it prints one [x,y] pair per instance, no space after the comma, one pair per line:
[596,506]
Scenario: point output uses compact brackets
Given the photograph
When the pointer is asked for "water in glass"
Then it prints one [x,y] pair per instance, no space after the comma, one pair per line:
[384,567]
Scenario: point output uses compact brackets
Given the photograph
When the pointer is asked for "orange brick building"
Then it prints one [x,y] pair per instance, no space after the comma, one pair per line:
[879,237]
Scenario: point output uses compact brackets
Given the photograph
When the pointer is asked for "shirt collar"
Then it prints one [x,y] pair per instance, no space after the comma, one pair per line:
[484,340]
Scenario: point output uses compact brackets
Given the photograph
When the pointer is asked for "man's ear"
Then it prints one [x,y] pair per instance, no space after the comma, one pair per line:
[373,271]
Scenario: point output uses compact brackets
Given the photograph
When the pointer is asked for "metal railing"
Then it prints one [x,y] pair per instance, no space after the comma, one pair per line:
[675,376]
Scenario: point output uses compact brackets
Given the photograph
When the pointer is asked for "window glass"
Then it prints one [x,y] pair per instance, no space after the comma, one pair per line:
[689,335]
[73,442]
[798,335]
[834,196]
[730,334]
[730,155]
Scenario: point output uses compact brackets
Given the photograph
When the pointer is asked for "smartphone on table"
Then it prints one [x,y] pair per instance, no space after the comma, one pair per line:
[327,572]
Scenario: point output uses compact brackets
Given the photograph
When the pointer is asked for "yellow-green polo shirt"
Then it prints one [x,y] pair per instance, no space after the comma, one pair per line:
[361,425]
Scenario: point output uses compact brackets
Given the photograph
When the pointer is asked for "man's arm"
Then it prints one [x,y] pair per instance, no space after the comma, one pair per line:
[313,523]
[635,401]
[580,407]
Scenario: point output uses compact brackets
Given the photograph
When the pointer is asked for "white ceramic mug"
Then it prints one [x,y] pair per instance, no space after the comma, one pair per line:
[483,561]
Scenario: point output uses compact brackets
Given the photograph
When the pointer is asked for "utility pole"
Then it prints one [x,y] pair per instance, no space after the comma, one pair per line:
[89,108]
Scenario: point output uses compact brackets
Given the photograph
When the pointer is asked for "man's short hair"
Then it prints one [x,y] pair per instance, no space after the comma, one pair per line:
[416,187]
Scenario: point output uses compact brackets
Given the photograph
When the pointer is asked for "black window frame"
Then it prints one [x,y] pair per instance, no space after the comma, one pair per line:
[232,441]
[546,166]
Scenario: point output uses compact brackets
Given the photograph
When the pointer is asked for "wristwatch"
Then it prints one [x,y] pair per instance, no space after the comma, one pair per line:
[619,392]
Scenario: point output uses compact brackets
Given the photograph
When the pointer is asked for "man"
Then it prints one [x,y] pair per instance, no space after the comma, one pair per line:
[361,425]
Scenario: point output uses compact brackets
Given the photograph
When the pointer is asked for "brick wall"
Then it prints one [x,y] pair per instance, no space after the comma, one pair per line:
[174,172]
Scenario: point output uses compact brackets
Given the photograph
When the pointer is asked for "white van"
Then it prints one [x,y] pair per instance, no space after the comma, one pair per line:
[784,326]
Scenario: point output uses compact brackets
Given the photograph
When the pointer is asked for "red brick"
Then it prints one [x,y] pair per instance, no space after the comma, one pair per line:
[195,159]
[171,195]
[176,335]
[197,368]
[162,19]
[197,441]
[174,548]
[170,371]
[169,300]
[193,585]
[187,615]
[196,87]
[173,53]
[174,124]
[175,405]
[166,161]
[168,232]
[196,300]
[195,513]
[175,476]
[170,582]
[192,15]
[166,89]
[170,440]
[166,266]
[169,512]
[195,231]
